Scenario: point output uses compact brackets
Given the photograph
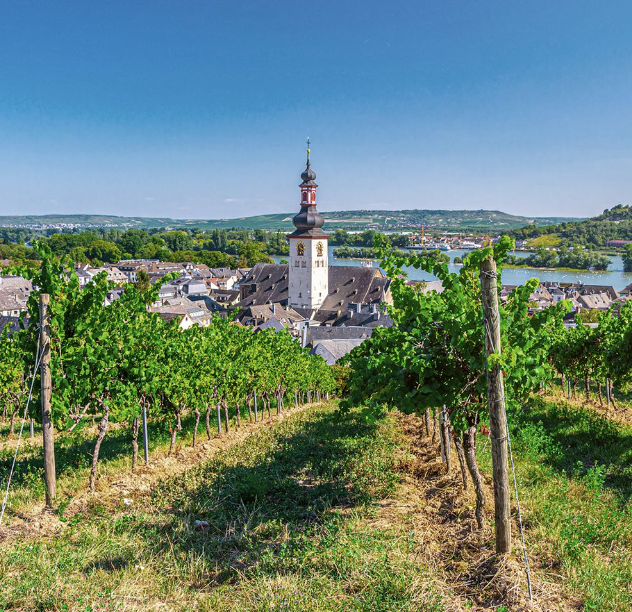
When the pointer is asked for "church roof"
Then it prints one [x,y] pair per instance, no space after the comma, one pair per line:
[268,284]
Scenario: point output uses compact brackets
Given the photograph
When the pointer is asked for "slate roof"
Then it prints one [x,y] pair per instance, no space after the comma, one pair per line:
[13,323]
[599,301]
[342,332]
[354,285]
[271,323]
[286,316]
[333,350]
[14,293]
[266,284]
[612,293]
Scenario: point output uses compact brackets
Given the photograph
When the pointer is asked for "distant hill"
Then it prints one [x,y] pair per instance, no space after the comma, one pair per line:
[384,220]
[612,224]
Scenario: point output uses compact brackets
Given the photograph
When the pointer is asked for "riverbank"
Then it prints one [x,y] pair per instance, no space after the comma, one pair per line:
[582,270]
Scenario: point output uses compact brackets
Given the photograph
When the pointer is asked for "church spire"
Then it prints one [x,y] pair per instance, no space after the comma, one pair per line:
[308,274]
[309,176]
[308,220]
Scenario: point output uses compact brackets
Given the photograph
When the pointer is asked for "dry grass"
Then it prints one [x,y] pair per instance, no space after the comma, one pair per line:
[462,557]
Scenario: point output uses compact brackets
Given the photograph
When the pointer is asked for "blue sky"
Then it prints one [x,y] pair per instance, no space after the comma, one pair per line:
[200,109]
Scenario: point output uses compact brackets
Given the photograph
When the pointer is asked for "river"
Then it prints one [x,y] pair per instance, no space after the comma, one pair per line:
[615,275]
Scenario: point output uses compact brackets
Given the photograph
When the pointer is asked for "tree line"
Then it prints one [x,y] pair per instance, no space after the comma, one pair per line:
[215,248]
[612,224]
[578,258]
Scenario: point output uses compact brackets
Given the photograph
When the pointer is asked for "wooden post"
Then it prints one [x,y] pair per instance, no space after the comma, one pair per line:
[48,432]
[145,437]
[496,400]
[256,415]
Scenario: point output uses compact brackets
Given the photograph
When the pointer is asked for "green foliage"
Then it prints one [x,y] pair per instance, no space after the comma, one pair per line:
[584,352]
[613,224]
[627,258]
[109,361]
[578,258]
[434,354]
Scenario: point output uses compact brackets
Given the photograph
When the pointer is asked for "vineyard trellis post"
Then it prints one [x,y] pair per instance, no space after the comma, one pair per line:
[496,400]
[145,438]
[48,432]
[256,412]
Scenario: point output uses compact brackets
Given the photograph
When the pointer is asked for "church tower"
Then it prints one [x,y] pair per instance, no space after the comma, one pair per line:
[309,265]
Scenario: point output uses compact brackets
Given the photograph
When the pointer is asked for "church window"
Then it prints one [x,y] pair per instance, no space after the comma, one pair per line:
[303,264]
[297,263]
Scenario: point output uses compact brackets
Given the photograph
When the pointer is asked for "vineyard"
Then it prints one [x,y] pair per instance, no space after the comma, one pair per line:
[478,457]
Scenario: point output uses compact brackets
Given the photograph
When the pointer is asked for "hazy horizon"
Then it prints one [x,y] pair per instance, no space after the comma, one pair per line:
[149,109]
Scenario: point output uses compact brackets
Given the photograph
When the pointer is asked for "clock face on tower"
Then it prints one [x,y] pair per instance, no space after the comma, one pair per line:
[319,249]
[300,249]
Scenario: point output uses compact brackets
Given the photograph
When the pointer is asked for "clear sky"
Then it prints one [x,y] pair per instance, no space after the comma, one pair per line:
[200,108]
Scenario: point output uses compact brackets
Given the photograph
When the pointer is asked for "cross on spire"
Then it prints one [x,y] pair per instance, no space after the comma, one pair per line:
[308,151]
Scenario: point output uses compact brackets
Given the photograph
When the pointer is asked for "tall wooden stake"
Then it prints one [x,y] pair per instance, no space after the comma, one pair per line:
[48,432]
[497,415]
[145,437]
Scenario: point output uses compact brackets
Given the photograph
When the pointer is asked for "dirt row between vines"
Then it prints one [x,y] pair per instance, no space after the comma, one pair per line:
[121,488]
[441,515]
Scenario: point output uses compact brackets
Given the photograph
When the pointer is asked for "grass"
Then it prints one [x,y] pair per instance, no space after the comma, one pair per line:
[544,241]
[288,524]
[574,471]
[296,517]
[73,455]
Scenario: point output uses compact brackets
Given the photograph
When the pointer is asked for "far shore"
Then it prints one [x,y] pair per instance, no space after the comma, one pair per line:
[506,266]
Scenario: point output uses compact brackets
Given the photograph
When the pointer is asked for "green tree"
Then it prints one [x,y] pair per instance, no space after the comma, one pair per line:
[627,258]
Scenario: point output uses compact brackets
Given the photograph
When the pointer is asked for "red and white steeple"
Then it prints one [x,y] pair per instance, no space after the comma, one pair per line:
[309,265]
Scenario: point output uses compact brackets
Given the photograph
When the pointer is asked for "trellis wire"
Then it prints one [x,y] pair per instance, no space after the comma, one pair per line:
[17,446]
[524,545]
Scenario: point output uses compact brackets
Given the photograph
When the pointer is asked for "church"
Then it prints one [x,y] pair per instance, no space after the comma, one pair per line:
[324,298]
